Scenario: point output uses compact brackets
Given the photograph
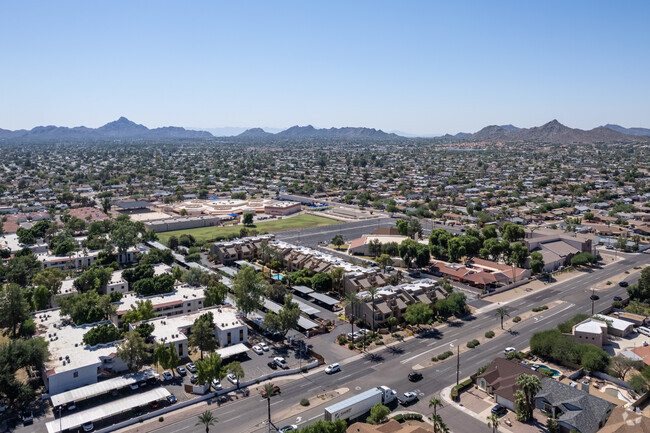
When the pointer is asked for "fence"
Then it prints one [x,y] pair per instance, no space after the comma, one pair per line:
[505,288]
[205,397]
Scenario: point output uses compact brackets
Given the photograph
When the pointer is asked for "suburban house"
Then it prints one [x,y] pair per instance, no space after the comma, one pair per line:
[572,407]
[391,426]
[361,246]
[626,421]
[498,380]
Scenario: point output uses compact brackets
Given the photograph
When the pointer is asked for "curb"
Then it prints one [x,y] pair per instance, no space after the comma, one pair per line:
[445,394]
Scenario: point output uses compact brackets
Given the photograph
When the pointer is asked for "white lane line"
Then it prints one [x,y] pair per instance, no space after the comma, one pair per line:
[279,401]
[557,312]
[404,361]
[230,411]
[343,377]
[311,389]
[305,384]
[314,417]
[233,418]
[404,354]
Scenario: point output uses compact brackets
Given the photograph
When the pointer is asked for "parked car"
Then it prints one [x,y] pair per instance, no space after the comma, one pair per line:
[643,330]
[414,376]
[276,390]
[171,399]
[408,398]
[167,375]
[354,335]
[499,410]
[232,379]
[363,331]
[154,405]
[181,370]
[216,384]
[623,283]
[333,368]
[71,406]
[617,299]
[287,428]
[272,365]
[89,426]
[28,417]
[191,367]
[264,346]
[281,362]
[194,378]
[258,350]
[524,363]
[509,350]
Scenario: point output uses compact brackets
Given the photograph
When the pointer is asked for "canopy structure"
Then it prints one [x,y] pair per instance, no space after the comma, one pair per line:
[305,308]
[100,388]
[229,351]
[303,289]
[107,410]
[327,300]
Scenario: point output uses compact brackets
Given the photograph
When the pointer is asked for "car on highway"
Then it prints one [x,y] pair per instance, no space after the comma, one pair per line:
[617,299]
[181,370]
[89,426]
[216,384]
[408,398]
[623,283]
[167,376]
[191,367]
[232,379]
[171,399]
[263,346]
[333,368]
[258,350]
[509,350]
[272,365]
[499,410]
[287,428]
[594,297]
[414,376]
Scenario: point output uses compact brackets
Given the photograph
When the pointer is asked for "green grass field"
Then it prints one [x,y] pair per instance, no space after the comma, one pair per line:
[208,233]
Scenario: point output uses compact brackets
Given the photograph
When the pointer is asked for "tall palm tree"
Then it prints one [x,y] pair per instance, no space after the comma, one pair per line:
[349,302]
[501,313]
[493,422]
[373,293]
[207,419]
[435,403]
[530,385]
[269,391]
[438,425]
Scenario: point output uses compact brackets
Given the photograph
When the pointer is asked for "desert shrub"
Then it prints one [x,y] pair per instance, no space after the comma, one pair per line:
[445,355]
[472,344]
[489,334]
[304,402]
[516,319]
[341,339]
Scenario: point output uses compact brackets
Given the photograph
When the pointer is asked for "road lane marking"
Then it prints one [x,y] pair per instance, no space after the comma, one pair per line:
[557,312]
[404,361]
[233,418]
[279,401]
[314,417]
[343,377]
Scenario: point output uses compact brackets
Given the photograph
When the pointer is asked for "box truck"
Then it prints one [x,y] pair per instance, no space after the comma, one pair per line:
[353,407]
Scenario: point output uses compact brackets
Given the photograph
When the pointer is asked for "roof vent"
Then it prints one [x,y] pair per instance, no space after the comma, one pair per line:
[63,362]
[60,358]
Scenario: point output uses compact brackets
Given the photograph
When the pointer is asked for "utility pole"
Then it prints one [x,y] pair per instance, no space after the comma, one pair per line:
[451,345]
[592,300]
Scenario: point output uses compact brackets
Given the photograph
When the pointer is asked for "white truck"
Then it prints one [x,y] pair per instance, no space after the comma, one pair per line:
[353,407]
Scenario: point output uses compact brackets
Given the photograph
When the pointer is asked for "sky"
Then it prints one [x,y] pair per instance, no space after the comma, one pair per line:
[421,67]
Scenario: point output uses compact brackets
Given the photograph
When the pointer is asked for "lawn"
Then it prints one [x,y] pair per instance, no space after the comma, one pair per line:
[208,233]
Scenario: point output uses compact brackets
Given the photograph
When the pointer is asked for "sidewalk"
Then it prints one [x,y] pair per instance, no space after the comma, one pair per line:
[445,394]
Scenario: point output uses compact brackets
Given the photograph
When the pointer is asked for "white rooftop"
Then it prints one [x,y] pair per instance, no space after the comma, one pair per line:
[181,293]
[618,324]
[170,328]
[334,260]
[591,326]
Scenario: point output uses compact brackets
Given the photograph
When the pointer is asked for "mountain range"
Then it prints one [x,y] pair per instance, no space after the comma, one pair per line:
[309,132]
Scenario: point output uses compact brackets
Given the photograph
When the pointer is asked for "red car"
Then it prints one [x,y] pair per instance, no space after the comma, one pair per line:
[154,405]
[276,390]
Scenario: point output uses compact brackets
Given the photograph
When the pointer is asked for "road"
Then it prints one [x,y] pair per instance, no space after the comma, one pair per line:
[390,366]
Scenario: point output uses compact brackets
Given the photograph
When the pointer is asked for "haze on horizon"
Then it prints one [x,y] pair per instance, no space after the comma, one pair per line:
[415,67]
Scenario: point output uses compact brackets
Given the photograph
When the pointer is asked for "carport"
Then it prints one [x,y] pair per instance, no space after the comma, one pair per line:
[107,410]
[303,290]
[229,351]
[100,388]
[307,309]
[328,301]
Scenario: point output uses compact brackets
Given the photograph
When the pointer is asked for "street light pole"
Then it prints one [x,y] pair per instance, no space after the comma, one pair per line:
[451,345]
[592,300]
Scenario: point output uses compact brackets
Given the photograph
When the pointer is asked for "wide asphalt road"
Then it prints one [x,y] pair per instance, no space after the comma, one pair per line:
[391,365]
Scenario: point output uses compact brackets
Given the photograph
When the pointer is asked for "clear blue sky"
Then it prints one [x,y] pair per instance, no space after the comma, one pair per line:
[415,66]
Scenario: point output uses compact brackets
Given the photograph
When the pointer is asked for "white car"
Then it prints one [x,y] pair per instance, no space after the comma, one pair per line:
[264,346]
[332,368]
[409,397]
[363,331]
[509,350]
[233,379]
[167,375]
[88,426]
[281,362]
[354,335]
[287,428]
[258,350]
[216,384]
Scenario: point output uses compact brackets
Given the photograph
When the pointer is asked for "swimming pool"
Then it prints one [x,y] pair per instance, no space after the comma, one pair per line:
[278,277]
[554,371]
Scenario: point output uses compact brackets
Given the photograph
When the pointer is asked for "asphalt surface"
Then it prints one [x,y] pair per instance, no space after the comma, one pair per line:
[390,366]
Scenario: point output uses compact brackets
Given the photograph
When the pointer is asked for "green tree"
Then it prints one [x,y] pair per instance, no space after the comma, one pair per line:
[215,294]
[372,292]
[267,392]
[106,205]
[414,228]
[321,282]
[518,254]
[248,289]
[14,309]
[402,227]
[639,384]
[22,268]
[124,233]
[95,278]
[493,422]
[236,370]
[418,314]
[202,336]
[101,334]
[320,426]
[408,251]
[172,242]
[51,279]
[210,368]
[161,354]
[206,419]
[435,403]
[536,262]
[286,318]
[384,261]
[529,385]
[455,249]
[142,310]
[337,278]
[378,414]
[41,298]
[338,241]
[512,232]
[133,351]
[552,426]
[641,290]
[350,302]
[392,322]
[501,313]
[247,219]
[438,425]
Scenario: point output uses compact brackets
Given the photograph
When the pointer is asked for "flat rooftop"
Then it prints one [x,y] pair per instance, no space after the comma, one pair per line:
[180,294]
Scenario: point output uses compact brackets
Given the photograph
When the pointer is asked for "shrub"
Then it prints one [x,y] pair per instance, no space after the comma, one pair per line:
[351,345]
[609,283]
[304,369]
[341,339]
[545,371]
[445,355]
[516,319]
[379,343]
[161,419]
[542,308]
[472,344]
[399,417]
[489,334]
[304,402]
[458,388]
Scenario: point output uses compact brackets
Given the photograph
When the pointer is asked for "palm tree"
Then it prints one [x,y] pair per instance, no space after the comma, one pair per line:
[530,385]
[349,302]
[493,422]
[373,292]
[207,419]
[438,425]
[501,313]
[435,403]
[269,391]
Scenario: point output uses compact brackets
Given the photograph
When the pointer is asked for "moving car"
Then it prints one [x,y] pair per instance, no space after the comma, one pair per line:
[623,283]
[281,362]
[171,399]
[264,346]
[232,379]
[181,370]
[191,367]
[509,350]
[276,390]
[287,428]
[499,410]
[333,368]
[167,375]
[88,426]
[216,384]
[594,297]
[258,350]
[617,299]
[414,376]
[408,398]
